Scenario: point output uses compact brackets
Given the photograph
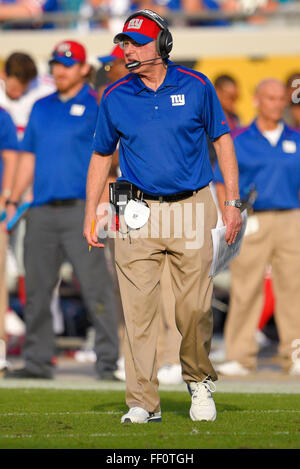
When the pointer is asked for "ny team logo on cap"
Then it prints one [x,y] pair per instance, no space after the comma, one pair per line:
[63,49]
[135,23]
[142,30]
[68,53]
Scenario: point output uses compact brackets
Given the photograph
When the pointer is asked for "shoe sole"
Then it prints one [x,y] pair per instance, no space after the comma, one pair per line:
[203,419]
[151,420]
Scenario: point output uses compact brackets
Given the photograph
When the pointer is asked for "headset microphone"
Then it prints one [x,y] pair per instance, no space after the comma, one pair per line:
[132,65]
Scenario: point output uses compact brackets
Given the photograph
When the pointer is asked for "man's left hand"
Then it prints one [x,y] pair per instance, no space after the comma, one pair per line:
[233,221]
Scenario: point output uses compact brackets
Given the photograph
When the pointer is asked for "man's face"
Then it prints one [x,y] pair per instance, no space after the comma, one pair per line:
[116,70]
[271,101]
[136,52]
[14,88]
[228,94]
[67,78]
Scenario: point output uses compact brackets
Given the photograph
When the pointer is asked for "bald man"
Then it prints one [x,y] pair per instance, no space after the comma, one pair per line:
[268,154]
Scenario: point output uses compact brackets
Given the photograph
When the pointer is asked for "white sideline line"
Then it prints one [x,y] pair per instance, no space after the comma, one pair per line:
[112,412]
[290,386]
[194,432]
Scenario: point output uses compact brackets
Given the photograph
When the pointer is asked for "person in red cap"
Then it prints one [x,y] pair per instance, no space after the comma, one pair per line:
[114,66]
[161,114]
[57,148]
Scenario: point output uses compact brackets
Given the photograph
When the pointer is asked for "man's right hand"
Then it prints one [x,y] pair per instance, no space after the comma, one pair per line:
[10,213]
[92,239]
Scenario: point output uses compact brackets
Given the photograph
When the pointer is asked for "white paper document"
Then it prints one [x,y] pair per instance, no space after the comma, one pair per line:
[223,254]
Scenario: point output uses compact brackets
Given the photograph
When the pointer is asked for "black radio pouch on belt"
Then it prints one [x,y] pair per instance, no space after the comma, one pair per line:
[120,192]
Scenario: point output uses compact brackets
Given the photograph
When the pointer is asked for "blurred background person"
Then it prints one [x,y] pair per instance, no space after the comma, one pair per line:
[114,68]
[57,147]
[162,7]
[228,93]
[20,86]
[23,9]
[9,147]
[114,11]
[268,154]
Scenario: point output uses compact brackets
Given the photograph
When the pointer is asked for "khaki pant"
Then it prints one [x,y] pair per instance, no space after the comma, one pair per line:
[169,338]
[3,288]
[275,240]
[140,261]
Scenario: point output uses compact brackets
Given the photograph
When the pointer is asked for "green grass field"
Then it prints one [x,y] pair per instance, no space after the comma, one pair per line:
[48,419]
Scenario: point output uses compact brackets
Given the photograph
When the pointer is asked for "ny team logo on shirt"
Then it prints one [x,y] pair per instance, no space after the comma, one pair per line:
[177,99]
[135,23]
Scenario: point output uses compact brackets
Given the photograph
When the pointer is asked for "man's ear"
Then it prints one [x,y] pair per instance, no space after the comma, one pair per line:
[85,69]
[3,75]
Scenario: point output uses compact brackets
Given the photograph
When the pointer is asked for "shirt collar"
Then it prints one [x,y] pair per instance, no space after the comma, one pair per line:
[81,92]
[286,130]
[171,79]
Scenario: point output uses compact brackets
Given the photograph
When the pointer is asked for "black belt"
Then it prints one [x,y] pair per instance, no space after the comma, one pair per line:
[63,202]
[163,198]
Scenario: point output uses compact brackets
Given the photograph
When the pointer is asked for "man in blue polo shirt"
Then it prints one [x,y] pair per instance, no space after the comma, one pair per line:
[268,154]
[160,114]
[57,149]
[8,162]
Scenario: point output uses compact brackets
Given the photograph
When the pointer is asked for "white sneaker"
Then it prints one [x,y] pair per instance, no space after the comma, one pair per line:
[170,374]
[4,364]
[232,368]
[203,406]
[121,363]
[119,373]
[85,356]
[262,339]
[295,369]
[218,355]
[140,415]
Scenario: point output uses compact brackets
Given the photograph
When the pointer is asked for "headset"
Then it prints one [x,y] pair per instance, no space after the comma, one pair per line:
[164,40]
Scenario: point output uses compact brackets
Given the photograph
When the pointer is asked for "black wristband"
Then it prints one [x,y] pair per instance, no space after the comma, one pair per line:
[11,202]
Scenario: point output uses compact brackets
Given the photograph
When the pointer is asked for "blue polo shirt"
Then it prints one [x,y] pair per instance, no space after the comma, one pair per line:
[60,134]
[273,170]
[163,148]
[8,137]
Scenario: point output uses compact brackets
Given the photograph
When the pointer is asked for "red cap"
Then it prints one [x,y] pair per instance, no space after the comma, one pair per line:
[68,53]
[141,29]
[117,53]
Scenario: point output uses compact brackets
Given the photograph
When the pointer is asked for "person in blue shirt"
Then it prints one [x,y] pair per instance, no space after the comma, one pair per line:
[160,114]
[268,154]
[8,162]
[57,147]
[18,9]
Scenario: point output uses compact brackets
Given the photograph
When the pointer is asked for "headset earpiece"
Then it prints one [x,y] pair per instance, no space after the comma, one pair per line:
[164,43]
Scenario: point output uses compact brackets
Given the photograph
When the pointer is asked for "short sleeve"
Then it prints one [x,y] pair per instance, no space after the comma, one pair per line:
[213,115]
[28,142]
[106,136]
[8,135]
